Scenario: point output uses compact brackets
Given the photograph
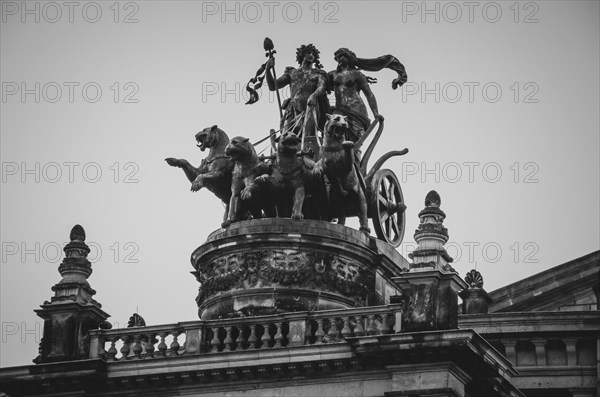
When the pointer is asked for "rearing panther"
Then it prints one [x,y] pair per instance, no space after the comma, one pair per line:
[215,171]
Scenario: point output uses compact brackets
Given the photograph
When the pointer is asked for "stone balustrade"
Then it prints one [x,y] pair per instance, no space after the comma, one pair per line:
[540,339]
[261,332]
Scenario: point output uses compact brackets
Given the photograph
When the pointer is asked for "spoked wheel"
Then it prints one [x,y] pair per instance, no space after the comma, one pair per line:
[387,207]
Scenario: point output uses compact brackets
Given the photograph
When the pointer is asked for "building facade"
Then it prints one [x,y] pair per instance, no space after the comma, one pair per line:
[309,308]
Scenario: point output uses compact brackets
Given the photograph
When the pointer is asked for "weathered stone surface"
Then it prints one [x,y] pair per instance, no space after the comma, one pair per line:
[268,266]
[362,366]
[475,301]
[432,299]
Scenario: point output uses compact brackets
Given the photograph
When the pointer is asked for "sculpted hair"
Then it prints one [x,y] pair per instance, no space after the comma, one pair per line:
[303,49]
[352,61]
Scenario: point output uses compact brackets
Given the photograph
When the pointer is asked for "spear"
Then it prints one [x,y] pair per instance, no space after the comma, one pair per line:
[270,48]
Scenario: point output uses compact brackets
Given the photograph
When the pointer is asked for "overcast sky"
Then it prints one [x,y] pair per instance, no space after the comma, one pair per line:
[500,114]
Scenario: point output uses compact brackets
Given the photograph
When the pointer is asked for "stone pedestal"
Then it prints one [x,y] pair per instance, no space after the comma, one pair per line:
[65,330]
[475,301]
[268,266]
[433,299]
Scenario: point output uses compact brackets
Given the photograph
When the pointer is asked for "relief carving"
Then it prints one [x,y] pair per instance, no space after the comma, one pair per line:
[316,271]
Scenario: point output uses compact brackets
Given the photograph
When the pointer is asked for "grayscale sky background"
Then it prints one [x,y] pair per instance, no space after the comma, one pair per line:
[500,115]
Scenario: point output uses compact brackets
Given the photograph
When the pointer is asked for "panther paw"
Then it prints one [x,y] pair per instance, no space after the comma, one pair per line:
[198,183]
[318,168]
[348,144]
[246,194]
[173,162]
[262,179]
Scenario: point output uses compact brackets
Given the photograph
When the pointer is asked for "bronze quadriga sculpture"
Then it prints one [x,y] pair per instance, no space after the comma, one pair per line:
[277,250]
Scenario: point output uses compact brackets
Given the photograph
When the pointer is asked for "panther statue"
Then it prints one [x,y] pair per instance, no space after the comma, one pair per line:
[336,162]
[247,167]
[215,171]
[290,181]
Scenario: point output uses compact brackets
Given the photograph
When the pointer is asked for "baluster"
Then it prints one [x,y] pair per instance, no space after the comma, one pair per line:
[331,334]
[228,340]
[308,333]
[125,349]
[137,346]
[385,324]
[278,335]
[162,346]
[266,337]
[174,348]
[241,339]
[215,342]
[346,331]
[252,339]
[150,345]
[319,333]
[372,328]
[112,350]
[334,331]
[358,328]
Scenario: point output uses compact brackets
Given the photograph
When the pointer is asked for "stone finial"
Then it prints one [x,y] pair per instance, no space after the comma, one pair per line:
[77,233]
[475,299]
[433,199]
[72,311]
[474,279]
[431,235]
[75,269]
[136,321]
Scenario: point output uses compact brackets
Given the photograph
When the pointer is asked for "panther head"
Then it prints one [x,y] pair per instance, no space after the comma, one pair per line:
[336,125]
[240,149]
[209,137]
[288,142]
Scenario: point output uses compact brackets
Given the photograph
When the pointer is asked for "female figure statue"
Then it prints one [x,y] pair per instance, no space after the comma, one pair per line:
[347,82]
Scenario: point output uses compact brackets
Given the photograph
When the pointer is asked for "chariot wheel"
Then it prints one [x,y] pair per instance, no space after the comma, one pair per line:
[387,207]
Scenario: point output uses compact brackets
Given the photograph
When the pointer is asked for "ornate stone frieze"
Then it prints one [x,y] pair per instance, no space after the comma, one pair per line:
[314,270]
